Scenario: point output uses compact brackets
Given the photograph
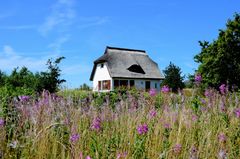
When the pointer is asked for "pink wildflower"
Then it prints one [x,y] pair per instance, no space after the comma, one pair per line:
[96,124]
[222,154]
[24,98]
[198,79]
[1,122]
[88,157]
[237,112]
[142,129]
[121,155]
[222,137]
[194,117]
[165,89]
[74,137]
[223,89]
[152,92]
[167,125]
[177,148]
[153,113]
[208,93]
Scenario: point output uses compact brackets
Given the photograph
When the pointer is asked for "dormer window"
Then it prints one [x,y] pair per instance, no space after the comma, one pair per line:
[136,68]
[101,65]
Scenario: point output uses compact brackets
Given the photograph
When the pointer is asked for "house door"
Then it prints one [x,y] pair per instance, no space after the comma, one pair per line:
[147,85]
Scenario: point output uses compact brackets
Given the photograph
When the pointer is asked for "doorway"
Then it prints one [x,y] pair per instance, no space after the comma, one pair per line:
[147,85]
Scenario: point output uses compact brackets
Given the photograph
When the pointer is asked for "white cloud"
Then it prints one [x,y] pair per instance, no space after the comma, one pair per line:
[57,44]
[62,14]
[10,59]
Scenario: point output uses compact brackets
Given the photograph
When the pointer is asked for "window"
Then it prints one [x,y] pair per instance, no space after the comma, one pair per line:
[136,68]
[116,83]
[99,85]
[123,83]
[147,85]
[131,83]
[101,65]
[156,85]
[106,84]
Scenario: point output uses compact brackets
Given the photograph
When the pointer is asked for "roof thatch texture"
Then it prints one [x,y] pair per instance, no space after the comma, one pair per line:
[128,63]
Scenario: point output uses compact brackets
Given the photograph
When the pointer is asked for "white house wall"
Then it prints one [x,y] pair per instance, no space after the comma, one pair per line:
[100,75]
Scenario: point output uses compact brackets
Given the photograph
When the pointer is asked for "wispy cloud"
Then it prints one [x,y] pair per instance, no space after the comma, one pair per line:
[10,59]
[77,69]
[190,65]
[57,44]
[87,22]
[19,27]
[62,14]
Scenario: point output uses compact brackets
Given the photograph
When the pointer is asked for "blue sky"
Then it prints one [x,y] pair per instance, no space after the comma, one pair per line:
[33,31]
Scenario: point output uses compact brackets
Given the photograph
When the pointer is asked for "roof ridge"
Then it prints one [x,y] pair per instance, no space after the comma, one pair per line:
[124,49]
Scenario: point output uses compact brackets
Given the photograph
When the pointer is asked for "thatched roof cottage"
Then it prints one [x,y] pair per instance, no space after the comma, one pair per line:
[125,67]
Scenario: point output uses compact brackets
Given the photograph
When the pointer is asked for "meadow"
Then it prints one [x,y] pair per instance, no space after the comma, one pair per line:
[130,124]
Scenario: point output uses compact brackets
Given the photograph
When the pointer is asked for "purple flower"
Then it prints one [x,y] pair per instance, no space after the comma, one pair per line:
[198,78]
[208,93]
[237,112]
[167,125]
[74,137]
[1,122]
[121,155]
[96,124]
[222,154]
[223,89]
[222,137]
[88,157]
[177,148]
[203,101]
[142,129]
[153,113]
[165,89]
[152,92]
[24,98]
[222,107]
[194,117]
[193,153]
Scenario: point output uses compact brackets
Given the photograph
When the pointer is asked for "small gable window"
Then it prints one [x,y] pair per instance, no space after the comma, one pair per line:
[101,65]
[136,68]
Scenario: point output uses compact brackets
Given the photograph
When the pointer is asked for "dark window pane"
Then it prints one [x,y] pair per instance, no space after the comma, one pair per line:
[147,85]
[116,83]
[99,85]
[124,83]
[131,83]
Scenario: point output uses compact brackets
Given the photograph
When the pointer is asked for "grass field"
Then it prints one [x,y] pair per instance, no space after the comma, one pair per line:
[129,124]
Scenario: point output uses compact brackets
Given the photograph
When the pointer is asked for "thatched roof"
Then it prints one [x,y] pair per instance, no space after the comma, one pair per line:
[128,63]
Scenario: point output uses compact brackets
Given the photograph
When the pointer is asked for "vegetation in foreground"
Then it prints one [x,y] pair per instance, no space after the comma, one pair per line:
[123,124]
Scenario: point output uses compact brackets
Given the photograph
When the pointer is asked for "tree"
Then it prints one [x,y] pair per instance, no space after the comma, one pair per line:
[50,80]
[34,82]
[220,59]
[173,77]
[85,87]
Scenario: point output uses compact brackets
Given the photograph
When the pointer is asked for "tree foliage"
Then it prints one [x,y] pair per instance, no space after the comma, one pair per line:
[220,59]
[24,79]
[173,77]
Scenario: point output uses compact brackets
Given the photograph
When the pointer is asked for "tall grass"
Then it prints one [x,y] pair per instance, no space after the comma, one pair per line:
[129,124]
